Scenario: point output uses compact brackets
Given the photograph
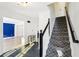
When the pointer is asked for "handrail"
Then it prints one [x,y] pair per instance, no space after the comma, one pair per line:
[71,29]
[46,27]
[41,37]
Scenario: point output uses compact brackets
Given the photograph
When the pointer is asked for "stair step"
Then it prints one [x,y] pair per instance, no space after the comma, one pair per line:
[51,52]
[60,27]
[59,38]
[59,34]
[59,23]
[57,44]
[62,45]
[60,30]
[62,21]
[67,53]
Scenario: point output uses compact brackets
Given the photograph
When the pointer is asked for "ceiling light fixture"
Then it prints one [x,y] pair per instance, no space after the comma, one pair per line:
[24,4]
[28,21]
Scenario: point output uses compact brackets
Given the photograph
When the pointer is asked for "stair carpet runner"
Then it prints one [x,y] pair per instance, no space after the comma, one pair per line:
[59,39]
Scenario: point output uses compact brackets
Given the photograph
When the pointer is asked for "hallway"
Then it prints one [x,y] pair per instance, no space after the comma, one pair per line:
[42,29]
[59,40]
[32,52]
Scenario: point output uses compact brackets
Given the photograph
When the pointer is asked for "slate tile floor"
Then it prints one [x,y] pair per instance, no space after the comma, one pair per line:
[59,39]
[33,52]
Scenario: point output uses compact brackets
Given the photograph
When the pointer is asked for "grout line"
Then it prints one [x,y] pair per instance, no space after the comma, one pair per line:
[9,53]
[25,50]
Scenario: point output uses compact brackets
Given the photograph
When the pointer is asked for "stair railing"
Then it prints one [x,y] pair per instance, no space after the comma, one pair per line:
[41,37]
[73,33]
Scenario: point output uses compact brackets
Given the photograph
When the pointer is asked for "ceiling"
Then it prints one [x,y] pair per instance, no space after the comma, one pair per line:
[14,11]
[32,10]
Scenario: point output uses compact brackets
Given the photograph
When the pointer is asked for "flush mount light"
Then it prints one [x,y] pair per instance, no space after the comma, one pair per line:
[24,4]
[28,21]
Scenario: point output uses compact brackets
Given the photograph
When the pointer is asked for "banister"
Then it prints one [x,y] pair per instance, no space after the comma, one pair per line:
[41,37]
[71,29]
[46,26]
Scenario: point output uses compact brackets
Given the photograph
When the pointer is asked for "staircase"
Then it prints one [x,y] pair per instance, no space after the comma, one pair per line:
[59,39]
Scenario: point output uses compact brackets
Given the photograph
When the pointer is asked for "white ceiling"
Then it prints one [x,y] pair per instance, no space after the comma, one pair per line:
[14,11]
[34,9]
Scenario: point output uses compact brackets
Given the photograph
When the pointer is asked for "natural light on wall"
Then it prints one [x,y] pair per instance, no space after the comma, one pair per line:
[24,4]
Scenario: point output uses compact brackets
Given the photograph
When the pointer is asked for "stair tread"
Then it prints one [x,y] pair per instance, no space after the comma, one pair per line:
[59,38]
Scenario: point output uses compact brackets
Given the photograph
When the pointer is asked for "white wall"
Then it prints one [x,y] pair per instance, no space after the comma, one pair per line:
[1,36]
[22,31]
[12,42]
[31,28]
[52,16]
[5,44]
[59,8]
[18,17]
[73,10]
[43,19]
